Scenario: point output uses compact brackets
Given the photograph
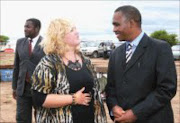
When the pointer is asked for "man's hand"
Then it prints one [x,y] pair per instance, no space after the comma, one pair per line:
[117,111]
[14,94]
[127,117]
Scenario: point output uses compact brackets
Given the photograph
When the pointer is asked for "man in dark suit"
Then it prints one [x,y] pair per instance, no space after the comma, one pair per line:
[141,73]
[27,56]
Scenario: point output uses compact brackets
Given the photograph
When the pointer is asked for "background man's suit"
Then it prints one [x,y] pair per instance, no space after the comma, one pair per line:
[146,84]
[24,64]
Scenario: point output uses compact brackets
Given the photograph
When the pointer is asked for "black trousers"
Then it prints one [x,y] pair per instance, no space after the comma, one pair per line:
[24,106]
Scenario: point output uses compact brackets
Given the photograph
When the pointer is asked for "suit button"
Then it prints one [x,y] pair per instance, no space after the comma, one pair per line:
[124,82]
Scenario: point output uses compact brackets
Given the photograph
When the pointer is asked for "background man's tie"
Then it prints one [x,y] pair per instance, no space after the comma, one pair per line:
[128,52]
[30,47]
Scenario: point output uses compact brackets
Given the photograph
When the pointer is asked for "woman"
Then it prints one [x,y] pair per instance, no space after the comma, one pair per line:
[65,87]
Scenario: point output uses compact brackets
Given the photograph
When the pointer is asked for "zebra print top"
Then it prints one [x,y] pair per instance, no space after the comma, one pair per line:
[50,77]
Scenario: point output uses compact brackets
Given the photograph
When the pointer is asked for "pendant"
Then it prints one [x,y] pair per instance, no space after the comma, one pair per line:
[78,65]
[74,65]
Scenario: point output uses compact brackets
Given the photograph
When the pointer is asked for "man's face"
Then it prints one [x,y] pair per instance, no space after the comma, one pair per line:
[121,26]
[29,30]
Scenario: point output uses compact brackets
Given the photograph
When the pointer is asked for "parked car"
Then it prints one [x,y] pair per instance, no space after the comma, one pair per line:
[90,48]
[104,49]
[176,51]
[96,49]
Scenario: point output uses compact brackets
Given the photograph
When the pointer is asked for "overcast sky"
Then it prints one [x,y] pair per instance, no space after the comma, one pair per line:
[92,18]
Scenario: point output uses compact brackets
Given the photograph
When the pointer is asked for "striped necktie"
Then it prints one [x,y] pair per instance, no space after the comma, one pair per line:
[128,52]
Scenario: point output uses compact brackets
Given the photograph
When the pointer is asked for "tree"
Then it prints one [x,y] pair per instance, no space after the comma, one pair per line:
[163,35]
[4,38]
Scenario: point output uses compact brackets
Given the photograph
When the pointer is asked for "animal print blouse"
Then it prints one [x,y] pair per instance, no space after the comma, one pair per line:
[50,77]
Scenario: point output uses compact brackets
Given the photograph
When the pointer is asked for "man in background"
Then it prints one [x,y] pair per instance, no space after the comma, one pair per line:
[27,55]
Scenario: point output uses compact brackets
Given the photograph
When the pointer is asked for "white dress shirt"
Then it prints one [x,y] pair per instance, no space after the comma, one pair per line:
[34,41]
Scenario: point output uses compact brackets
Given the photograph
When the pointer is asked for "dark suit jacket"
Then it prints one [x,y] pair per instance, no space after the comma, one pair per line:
[24,63]
[146,84]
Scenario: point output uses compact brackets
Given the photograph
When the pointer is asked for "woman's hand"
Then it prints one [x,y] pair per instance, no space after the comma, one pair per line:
[82,98]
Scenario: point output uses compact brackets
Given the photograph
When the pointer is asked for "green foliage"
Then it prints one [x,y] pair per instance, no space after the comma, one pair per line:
[163,35]
[4,38]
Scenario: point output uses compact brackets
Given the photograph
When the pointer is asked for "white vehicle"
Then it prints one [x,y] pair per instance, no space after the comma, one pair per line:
[176,51]
[90,48]
[96,48]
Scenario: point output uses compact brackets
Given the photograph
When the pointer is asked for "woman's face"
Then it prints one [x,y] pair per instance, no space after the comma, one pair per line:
[72,38]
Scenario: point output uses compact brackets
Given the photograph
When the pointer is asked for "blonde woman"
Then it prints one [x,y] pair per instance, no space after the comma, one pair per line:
[65,87]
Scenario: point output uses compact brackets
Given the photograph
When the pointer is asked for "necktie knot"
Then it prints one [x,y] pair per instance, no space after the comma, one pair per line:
[129,46]
[30,40]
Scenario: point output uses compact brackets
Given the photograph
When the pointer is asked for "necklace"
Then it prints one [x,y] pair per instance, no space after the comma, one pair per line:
[73,65]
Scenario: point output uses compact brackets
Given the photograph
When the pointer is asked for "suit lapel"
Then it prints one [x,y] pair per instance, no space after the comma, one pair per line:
[25,47]
[123,56]
[138,52]
[120,58]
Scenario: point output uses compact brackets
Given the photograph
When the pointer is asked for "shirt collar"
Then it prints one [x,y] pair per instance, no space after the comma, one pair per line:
[136,41]
[35,39]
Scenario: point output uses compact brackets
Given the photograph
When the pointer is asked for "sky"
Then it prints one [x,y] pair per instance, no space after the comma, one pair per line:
[92,18]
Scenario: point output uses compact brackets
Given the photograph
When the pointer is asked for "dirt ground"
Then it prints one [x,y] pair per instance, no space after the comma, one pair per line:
[8,104]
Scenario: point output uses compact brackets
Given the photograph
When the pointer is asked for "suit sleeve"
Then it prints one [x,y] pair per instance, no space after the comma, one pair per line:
[111,98]
[16,68]
[166,84]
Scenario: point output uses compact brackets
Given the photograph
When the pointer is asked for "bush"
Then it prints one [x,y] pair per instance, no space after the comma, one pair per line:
[163,35]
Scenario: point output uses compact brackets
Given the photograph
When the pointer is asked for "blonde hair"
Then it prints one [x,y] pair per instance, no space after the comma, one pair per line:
[54,39]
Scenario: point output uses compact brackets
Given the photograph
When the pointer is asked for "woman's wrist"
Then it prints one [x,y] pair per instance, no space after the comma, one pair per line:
[74,99]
